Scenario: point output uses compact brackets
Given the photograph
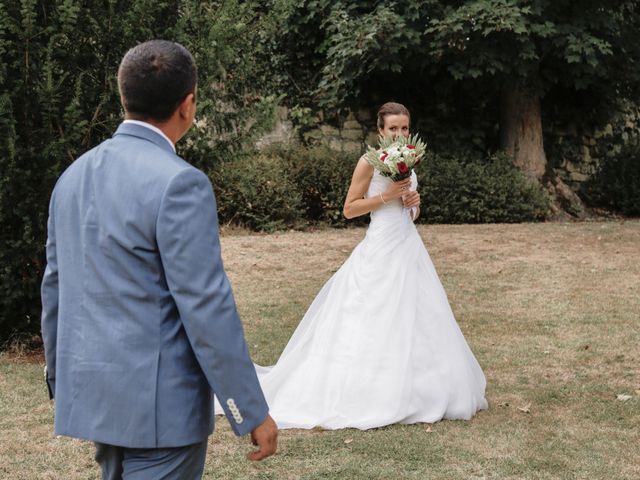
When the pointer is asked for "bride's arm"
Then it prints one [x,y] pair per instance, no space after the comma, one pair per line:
[356,205]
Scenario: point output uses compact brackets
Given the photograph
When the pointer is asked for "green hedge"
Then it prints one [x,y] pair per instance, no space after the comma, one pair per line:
[616,185]
[477,190]
[322,177]
[257,192]
[293,188]
[283,188]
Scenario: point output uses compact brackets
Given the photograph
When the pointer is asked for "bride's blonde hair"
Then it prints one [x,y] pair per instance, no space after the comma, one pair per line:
[391,108]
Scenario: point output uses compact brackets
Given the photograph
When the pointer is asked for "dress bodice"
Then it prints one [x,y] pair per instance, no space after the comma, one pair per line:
[393,210]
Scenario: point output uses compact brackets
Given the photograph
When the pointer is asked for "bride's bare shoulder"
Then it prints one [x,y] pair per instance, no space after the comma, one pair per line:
[363,166]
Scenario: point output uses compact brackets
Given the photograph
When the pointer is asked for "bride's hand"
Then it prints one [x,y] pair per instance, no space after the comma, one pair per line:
[397,189]
[411,199]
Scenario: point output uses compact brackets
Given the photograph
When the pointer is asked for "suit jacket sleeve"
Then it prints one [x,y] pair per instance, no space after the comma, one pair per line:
[49,298]
[187,234]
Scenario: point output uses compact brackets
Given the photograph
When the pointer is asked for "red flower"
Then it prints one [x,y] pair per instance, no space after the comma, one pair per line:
[384,156]
[402,168]
[411,147]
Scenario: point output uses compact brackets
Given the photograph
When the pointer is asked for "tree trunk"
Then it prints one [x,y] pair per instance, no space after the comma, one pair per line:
[521,138]
[521,131]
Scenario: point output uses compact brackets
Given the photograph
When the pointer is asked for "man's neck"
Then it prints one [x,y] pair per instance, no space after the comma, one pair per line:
[170,130]
[154,127]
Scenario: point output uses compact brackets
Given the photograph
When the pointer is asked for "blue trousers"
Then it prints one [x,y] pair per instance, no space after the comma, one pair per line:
[180,463]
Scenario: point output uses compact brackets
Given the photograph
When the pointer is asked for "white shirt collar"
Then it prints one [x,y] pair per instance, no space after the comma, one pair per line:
[152,127]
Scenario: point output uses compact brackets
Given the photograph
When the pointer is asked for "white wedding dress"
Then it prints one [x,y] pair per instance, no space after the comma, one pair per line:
[379,344]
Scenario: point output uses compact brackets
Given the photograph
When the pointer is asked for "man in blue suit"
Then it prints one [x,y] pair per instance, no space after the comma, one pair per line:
[139,322]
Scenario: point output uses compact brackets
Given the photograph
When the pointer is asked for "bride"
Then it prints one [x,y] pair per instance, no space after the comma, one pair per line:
[379,344]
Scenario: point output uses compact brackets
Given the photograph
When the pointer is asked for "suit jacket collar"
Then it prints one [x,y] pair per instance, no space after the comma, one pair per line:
[145,133]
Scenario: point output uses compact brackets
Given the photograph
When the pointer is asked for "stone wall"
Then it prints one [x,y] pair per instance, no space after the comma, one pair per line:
[576,154]
[283,131]
[351,136]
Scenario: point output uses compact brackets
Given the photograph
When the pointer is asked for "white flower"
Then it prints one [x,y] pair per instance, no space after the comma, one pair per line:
[394,151]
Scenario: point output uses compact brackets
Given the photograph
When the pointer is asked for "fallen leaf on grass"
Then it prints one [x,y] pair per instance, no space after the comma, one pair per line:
[348,440]
[623,397]
[428,430]
[525,409]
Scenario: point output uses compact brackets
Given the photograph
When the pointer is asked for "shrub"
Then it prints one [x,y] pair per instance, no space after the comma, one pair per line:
[322,177]
[284,187]
[616,184]
[465,190]
[257,192]
[291,187]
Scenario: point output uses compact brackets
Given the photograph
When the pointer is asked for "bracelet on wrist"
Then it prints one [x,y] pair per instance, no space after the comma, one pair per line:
[382,198]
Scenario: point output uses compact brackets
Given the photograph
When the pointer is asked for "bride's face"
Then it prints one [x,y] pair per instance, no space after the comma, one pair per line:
[394,126]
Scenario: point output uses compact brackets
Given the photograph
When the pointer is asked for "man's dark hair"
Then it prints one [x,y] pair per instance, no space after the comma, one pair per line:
[154,78]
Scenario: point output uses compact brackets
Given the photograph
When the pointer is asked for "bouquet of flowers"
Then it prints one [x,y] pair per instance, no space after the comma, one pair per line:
[396,157]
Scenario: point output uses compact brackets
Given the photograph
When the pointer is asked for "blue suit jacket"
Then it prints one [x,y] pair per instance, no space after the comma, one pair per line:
[139,322]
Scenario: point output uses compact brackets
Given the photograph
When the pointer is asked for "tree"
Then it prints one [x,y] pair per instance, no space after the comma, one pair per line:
[57,86]
[58,98]
[515,52]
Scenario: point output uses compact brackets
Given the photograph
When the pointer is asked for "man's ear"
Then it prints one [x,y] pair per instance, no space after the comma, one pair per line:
[187,105]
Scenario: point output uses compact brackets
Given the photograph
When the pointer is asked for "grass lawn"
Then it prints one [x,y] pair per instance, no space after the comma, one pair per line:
[552,312]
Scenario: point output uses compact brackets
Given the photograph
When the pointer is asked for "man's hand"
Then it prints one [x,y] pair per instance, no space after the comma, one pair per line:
[265,437]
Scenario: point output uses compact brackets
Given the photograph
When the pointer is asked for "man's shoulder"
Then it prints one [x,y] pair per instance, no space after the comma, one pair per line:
[142,166]
[149,160]
[134,153]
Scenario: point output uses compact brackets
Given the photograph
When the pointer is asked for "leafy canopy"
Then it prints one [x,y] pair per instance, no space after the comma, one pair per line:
[538,43]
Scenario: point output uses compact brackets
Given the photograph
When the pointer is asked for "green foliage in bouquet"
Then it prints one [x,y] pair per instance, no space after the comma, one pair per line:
[396,157]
